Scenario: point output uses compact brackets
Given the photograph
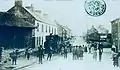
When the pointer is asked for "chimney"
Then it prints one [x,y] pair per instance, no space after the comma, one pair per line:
[18,2]
[30,7]
[38,11]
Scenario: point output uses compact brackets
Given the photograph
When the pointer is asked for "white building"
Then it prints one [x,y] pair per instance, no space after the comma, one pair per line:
[44,29]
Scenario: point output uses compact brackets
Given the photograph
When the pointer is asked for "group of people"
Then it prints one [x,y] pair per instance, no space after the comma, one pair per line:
[28,52]
[78,52]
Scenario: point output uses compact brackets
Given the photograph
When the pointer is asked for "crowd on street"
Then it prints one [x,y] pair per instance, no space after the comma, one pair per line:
[77,52]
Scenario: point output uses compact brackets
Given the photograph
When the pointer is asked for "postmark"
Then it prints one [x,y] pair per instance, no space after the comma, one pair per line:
[95,7]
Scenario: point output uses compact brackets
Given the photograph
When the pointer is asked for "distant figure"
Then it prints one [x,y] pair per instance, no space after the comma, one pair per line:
[81,53]
[40,54]
[14,57]
[43,52]
[85,49]
[62,51]
[89,47]
[115,60]
[26,51]
[74,52]
[113,49]
[65,52]
[95,53]
[77,52]
[49,53]
[28,54]
[100,55]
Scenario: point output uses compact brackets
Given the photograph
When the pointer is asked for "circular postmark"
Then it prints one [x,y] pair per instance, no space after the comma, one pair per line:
[95,7]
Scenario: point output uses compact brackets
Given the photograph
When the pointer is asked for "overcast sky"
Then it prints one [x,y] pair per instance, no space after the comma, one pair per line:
[71,12]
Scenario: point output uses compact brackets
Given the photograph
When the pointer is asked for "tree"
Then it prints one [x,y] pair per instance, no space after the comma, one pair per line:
[92,35]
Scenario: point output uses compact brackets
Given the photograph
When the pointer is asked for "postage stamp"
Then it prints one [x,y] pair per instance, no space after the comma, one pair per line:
[95,7]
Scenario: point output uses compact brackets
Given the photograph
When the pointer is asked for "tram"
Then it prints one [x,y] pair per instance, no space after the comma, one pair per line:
[54,42]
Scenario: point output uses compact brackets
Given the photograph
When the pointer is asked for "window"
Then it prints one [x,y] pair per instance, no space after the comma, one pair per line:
[42,40]
[46,28]
[52,30]
[38,27]
[49,29]
[55,31]
[42,28]
[39,40]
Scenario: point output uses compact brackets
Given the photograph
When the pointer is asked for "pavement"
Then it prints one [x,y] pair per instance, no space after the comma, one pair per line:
[23,62]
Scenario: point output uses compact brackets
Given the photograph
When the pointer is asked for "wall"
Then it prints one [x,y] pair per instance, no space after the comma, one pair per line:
[42,31]
[14,37]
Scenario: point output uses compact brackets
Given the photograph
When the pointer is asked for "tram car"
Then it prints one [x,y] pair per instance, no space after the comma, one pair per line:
[53,41]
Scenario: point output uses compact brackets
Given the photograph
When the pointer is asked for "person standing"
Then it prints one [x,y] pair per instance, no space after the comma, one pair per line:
[81,53]
[43,52]
[14,57]
[100,55]
[40,54]
[28,54]
[26,51]
[65,52]
[95,53]
[89,47]
[49,53]
[74,52]
[85,50]
[113,49]
[62,51]
[77,52]
[114,59]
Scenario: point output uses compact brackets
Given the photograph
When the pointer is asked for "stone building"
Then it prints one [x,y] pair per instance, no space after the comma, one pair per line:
[45,26]
[115,25]
[67,31]
[14,31]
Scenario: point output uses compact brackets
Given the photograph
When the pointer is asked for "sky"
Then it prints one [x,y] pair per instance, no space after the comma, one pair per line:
[71,13]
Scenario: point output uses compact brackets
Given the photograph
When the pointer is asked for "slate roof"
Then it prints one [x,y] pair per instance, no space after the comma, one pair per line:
[40,17]
[7,19]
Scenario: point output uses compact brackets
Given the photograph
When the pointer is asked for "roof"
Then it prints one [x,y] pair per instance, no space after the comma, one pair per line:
[115,20]
[8,19]
[40,16]
[37,15]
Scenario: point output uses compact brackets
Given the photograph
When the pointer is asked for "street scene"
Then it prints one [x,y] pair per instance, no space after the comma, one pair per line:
[59,35]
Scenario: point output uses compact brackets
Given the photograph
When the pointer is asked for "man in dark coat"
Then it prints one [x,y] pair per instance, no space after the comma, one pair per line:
[40,54]
[49,53]
[14,57]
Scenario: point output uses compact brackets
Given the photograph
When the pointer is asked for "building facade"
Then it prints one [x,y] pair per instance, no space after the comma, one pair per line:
[115,25]
[60,29]
[14,31]
[37,18]
[63,31]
